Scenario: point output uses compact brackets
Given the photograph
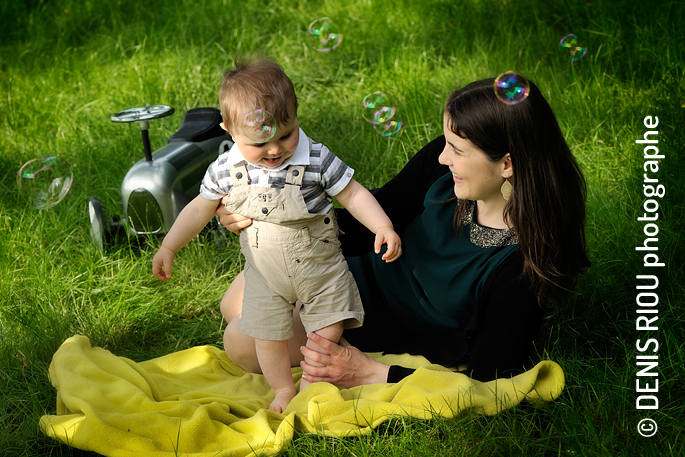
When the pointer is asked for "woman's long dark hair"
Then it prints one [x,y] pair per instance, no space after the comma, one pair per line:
[547,204]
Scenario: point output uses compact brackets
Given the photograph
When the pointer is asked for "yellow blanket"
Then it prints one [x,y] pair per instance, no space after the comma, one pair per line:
[198,403]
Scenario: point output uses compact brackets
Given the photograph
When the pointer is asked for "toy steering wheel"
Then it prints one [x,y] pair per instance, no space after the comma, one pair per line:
[143,113]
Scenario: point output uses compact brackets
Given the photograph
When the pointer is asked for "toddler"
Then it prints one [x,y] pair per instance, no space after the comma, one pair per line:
[284,184]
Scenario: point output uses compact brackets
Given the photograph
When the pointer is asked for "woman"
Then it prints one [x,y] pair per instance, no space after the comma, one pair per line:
[492,219]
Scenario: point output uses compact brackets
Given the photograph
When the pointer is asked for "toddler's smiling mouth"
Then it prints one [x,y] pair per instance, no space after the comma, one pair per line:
[272,160]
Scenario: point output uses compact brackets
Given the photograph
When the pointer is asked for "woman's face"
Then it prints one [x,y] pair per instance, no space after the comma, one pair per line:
[475,176]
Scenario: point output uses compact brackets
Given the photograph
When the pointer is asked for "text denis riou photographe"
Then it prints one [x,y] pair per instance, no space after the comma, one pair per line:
[647,284]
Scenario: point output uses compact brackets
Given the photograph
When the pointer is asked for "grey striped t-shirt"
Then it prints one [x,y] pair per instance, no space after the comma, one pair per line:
[325,175]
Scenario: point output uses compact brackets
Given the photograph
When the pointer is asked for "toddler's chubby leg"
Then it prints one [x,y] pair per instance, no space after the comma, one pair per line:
[333,333]
[275,364]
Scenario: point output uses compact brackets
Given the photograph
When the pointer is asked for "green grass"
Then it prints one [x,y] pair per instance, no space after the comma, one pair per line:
[66,66]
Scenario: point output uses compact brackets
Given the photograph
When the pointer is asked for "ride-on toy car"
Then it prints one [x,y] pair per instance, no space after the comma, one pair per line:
[158,187]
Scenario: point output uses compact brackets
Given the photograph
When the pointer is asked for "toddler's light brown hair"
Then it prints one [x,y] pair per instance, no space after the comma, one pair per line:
[259,84]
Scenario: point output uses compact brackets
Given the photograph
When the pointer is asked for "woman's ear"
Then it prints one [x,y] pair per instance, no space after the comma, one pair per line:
[507,167]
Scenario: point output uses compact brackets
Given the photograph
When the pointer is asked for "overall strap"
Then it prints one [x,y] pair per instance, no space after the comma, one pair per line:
[295,175]
[239,174]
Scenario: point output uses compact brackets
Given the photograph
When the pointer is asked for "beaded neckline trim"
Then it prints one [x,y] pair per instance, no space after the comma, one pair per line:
[486,237]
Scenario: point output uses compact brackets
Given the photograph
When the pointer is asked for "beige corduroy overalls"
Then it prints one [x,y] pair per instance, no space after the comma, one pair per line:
[290,255]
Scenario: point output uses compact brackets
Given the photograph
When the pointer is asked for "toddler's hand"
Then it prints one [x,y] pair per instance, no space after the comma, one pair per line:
[386,235]
[161,263]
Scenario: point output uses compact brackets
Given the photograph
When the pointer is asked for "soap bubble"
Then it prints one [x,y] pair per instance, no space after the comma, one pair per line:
[45,181]
[569,45]
[378,107]
[325,34]
[389,128]
[511,88]
[259,126]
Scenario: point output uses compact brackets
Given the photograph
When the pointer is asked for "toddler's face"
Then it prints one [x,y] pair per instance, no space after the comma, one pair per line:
[272,153]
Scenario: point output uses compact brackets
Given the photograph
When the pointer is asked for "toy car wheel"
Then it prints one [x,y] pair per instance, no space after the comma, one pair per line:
[142,113]
[97,224]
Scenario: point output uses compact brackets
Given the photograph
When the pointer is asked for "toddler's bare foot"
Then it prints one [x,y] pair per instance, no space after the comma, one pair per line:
[282,399]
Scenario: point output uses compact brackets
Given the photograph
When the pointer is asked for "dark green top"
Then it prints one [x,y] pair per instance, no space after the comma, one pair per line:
[441,272]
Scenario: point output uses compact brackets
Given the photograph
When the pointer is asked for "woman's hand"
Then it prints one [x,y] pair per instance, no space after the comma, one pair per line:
[232,221]
[344,365]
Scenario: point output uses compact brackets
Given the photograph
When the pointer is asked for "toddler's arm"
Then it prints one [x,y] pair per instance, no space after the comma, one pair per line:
[365,208]
[188,224]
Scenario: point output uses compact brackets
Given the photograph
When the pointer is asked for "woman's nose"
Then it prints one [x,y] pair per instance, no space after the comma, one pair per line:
[442,158]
